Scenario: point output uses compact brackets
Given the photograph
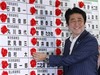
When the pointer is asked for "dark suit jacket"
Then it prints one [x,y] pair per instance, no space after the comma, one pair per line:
[83,59]
[99,71]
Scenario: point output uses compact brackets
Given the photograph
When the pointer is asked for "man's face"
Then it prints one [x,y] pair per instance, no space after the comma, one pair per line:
[76,24]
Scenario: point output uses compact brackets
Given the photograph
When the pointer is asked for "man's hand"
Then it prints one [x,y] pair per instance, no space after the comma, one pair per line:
[39,56]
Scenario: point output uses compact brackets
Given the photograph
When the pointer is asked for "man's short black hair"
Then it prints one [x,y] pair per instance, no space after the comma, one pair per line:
[72,11]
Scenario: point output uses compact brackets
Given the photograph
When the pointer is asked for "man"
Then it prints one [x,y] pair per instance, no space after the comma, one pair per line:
[81,48]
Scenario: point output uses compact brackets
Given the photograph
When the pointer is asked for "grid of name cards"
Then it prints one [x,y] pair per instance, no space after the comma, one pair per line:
[28,26]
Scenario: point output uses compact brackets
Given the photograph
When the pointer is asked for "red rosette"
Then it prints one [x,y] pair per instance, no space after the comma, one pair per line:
[81,4]
[58,51]
[58,22]
[3,17]
[32,31]
[32,10]
[4,73]
[4,64]
[32,73]
[57,3]
[58,42]
[57,12]
[33,50]
[3,5]
[34,41]
[33,63]
[59,72]
[58,31]
[4,52]
[31,1]
[33,22]
[4,29]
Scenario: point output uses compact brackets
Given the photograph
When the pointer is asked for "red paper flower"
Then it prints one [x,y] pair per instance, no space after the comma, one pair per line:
[4,29]
[33,22]
[81,4]
[58,31]
[58,51]
[4,64]
[57,3]
[3,5]
[57,12]
[32,73]
[33,31]
[58,42]
[4,73]
[32,10]
[31,1]
[4,52]
[60,72]
[33,41]
[58,22]
[3,17]
[33,50]
[33,63]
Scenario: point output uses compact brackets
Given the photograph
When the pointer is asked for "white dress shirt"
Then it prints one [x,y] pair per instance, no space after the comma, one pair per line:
[73,40]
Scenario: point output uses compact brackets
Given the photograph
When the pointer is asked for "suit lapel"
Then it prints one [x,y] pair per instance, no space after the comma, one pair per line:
[82,36]
[67,47]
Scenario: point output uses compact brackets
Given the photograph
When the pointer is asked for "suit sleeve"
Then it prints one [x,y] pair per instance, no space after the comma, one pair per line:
[84,50]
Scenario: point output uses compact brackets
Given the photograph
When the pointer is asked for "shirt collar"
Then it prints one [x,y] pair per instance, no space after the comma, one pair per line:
[71,38]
